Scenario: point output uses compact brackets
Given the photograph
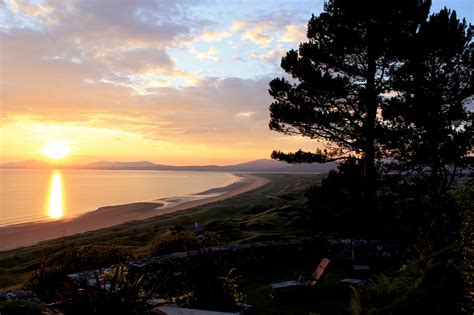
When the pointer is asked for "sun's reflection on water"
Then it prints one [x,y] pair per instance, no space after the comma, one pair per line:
[55,205]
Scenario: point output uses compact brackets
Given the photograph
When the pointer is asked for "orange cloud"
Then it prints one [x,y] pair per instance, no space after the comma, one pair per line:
[103,79]
[271,55]
[294,34]
[256,32]
[30,9]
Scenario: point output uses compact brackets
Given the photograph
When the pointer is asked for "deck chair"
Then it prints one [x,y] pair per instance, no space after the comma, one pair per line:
[360,266]
[301,282]
[360,261]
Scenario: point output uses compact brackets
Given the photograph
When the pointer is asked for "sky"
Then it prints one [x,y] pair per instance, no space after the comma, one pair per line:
[171,81]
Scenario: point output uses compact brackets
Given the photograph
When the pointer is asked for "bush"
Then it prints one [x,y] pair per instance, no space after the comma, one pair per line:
[94,293]
[183,241]
[81,258]
[20,307]
[336,205]
[431,285]
[115,293]
[52,274]
[209,283]
[46,282]
[465,198]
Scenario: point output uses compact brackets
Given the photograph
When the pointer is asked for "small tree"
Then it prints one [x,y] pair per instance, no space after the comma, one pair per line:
[428,124]
[340,74]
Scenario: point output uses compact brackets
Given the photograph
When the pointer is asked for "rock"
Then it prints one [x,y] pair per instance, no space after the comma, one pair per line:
[17,294]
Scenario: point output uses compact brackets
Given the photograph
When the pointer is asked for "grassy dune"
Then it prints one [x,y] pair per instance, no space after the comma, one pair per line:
[269,212]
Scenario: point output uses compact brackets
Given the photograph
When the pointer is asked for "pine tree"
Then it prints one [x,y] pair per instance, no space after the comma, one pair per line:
[340,76]
[428,125]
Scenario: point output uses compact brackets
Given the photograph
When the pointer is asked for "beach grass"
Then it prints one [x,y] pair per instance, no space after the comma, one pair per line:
[269,212]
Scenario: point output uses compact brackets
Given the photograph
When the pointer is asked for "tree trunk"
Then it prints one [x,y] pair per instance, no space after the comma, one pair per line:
[370,175]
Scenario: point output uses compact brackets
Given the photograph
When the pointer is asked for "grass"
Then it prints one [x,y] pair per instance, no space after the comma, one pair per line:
[20,307]
[269,212]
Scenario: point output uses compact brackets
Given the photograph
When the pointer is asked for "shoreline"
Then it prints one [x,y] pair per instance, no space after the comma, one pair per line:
[19,235]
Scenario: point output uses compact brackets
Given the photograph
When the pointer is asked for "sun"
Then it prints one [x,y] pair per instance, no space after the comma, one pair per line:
[56,150]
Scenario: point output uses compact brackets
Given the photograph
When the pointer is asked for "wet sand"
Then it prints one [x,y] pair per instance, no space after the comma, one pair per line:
[19,235]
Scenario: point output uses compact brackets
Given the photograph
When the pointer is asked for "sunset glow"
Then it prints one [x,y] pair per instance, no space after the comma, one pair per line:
[56,150]
[164,81]
[55,200]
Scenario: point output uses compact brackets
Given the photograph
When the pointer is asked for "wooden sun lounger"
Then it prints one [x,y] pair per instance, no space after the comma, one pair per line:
[302,283]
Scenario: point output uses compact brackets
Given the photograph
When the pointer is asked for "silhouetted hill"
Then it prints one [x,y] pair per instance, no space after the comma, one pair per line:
[252,166]
[277,166]
[257,165]
[140,165]
[26,164]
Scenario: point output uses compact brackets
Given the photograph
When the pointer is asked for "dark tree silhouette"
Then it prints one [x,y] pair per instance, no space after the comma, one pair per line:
[429,126]
[340,75]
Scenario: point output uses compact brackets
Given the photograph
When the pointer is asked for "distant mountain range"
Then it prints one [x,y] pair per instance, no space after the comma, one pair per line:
[252,166]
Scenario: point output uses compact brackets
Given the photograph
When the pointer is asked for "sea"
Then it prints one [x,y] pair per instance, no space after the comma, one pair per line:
[38,195]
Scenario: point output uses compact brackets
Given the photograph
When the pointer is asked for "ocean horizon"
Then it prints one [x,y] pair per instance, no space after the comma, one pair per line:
[43,195]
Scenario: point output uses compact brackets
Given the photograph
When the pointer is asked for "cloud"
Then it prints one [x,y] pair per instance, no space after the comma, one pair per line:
[95,64]
[29,9]
[211,54]
[244,114]
[143,59]
[271,56]
[273,27]
[294,34]
[94,44]
[257,32]
[29,13]
[238,25]
[211,36]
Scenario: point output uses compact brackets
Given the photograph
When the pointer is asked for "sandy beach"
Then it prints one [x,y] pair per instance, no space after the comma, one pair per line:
[19,235]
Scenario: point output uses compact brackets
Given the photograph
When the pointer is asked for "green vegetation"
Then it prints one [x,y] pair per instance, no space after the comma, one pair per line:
[179,241]
[209,282]
[428,285]
[117,292]
[20,307]
[465,198]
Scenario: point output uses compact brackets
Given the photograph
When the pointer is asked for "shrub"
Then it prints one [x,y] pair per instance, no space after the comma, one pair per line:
[52,274]
[336,204]
[430,285]
[46,282]
[465,198]
[210,283]
[182,241]
[81,258]
[115,293]
[20,307]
